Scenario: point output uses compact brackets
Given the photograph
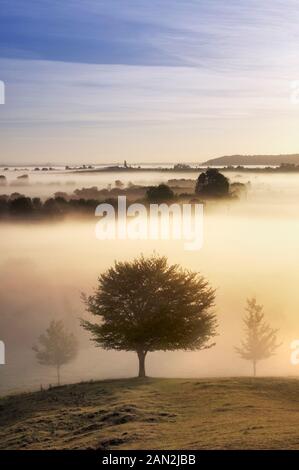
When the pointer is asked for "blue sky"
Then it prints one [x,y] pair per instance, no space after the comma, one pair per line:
[157,80]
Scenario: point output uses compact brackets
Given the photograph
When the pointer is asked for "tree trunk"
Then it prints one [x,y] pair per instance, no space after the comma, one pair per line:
[141,357]
[58,375]
[254,368]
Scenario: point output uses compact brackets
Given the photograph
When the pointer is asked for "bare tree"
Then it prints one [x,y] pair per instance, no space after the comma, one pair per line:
[57,347]
[260,339]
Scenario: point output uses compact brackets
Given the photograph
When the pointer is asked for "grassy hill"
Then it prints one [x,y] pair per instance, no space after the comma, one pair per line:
[233,413]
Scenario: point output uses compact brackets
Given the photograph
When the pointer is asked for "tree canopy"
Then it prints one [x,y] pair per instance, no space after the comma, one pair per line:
[159,193]
[212,183]
[260,339]
[56,347]
[148,305]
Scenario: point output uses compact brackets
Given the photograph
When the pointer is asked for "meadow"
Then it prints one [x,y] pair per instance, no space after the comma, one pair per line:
[227,413]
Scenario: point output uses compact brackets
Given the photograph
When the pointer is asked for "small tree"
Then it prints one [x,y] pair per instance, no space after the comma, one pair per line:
[212,183]
[147,305]
[57,347]
[159,193]
[260,340]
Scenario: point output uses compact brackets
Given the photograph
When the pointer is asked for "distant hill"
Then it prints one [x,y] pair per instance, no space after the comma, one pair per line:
[253,160]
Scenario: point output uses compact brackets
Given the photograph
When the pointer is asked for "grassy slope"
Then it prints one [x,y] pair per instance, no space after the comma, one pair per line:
[234,413]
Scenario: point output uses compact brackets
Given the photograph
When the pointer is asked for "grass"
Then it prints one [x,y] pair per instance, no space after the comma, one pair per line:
[228,413]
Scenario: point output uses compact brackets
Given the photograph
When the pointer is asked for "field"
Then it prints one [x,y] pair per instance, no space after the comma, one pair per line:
[234,413]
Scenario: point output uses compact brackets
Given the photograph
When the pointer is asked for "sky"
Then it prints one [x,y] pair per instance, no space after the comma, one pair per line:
[147,81]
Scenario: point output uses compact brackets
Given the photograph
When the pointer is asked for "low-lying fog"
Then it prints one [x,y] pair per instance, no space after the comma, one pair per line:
[250,249]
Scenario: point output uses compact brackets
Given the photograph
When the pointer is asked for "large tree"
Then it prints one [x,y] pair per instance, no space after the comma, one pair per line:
[148,305]
[260,339]
[56,347]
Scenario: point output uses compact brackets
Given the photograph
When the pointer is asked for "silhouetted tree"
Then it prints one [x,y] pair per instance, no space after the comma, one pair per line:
[3,206]
[37,204]
[212,183]
[159,193]
[57,347]
[260,340]
[119,184]
[148,305]
[55,206]
[21,206]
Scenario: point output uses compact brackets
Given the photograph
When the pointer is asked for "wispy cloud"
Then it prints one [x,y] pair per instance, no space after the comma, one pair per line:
[209,66]
[53,92]
[214,33]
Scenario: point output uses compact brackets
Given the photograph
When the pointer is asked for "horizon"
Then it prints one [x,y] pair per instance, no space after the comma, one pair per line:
[157,82]
[144,163]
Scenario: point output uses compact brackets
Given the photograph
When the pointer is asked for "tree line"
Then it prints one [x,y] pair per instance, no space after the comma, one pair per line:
[148,305]
[18,206]
[209,184]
